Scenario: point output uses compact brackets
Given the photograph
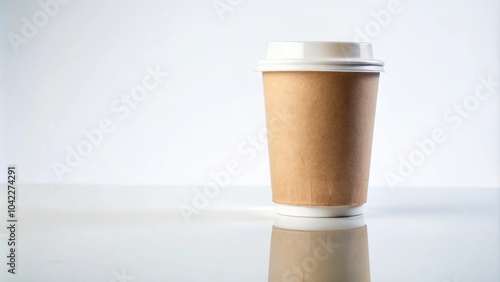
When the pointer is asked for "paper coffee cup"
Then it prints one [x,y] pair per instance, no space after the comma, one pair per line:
[319,249]
[320,100]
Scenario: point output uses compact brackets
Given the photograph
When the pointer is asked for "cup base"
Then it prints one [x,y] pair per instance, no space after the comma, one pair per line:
[318,223]
[319,211]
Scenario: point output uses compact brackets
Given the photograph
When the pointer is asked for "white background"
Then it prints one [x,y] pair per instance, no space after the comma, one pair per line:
[66,77]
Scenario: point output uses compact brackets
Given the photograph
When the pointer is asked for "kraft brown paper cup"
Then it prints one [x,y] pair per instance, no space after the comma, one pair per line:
[320,126]
[319,255]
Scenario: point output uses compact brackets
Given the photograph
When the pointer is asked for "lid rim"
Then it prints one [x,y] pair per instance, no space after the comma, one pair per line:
[321,62]
[321,68]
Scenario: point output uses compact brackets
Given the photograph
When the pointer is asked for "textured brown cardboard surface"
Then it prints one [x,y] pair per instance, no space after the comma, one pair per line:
[320,127]
[339,255]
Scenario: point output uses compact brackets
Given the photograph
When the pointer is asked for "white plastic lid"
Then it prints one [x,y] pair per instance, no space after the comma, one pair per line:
[320,56]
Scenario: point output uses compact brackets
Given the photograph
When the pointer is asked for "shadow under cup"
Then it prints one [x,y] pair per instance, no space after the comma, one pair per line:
[320,128]
[331,252]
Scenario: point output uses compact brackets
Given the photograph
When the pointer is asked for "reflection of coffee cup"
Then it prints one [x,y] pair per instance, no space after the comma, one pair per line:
[319,249]
[320,100]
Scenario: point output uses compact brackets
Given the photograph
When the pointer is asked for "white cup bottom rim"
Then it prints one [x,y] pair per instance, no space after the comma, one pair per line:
[319,211]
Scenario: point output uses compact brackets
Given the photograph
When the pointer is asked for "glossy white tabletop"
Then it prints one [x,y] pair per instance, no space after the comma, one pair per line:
[130,233]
